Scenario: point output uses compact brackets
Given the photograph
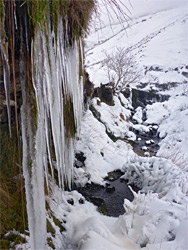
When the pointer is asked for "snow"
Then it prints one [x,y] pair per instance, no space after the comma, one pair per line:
[138,115]
[115,118]
[162,40]
[172,118]
[102,154]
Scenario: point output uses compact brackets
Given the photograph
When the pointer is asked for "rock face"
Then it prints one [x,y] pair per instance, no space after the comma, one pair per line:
[142,98]
[105,93]
[88,88]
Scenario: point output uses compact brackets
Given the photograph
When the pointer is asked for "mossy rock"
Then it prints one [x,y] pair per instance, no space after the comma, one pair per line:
[11,240]
[50,242]
[50,228]
[58,223]
[103,209]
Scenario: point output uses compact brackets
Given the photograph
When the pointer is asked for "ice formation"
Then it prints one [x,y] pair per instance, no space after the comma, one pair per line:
[58,94]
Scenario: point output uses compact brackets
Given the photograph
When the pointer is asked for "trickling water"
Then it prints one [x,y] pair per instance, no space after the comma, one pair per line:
[58,93]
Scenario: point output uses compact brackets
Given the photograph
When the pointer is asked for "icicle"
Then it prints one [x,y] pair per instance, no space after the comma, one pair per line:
[55,76]
[26,34]
[6,74]
[15,20]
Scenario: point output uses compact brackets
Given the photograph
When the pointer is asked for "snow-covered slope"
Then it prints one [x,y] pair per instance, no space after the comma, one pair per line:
[156,32]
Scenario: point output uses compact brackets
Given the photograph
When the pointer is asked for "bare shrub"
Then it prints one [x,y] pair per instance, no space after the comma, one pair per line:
[121,69]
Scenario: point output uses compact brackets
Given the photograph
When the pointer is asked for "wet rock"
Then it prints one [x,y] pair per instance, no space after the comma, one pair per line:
[127,92]
[79,160]
[106,94]
[88,88]
[142,98]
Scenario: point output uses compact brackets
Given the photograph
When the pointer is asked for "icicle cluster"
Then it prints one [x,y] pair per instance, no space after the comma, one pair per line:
[55,76]
[6,74]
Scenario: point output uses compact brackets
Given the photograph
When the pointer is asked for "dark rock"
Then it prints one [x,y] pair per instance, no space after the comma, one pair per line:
[184,73]
[81,201]
[127,92]
[88,88]
[79,160]
[106,94]
[143,98]
[70,201]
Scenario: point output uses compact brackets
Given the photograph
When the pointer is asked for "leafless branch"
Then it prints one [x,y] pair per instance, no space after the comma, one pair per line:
[121,69]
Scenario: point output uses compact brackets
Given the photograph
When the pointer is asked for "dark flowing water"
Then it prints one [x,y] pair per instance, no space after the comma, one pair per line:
[110,198]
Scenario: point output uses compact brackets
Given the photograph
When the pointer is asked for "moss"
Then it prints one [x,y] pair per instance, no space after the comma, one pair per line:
[55,11]
[76,15]
[4,244]
[103,209]
[10,184]
[58,223]
[102,154]
[11,240]
[38,10]
[69,119]
[50,242]
[2,11]
[50,228]
[95,112]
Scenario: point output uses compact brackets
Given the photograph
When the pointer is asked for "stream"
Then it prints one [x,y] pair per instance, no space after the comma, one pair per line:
[110,198]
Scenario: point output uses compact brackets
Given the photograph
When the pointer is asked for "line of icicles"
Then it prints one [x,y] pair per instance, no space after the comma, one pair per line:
[55,76]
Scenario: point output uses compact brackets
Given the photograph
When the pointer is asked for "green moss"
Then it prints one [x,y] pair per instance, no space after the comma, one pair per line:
[69,119]
[102,154]
[103,209]
[4,244]
[50,228]
[58,223]
[11,240]
[76,15]
[2,11]
[55,11]
[38,12]
[50,242]
[10,184]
